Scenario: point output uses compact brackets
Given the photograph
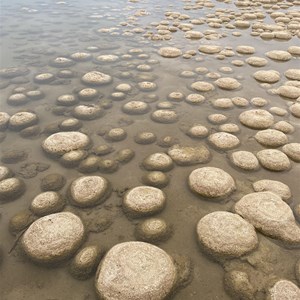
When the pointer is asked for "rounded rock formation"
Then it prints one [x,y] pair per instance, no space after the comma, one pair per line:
[143,201]
[211,182]
[224,234]
[88,191]
[53,238]
[135,270]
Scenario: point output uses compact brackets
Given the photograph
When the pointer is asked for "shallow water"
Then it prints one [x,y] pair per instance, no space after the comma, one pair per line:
[36,32]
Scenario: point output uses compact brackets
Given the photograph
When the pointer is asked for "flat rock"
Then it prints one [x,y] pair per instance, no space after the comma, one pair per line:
[63,142]
[183,155]
[53,238]
[211,182]
[268,213]
[135,270]
[170,52]
[224,234]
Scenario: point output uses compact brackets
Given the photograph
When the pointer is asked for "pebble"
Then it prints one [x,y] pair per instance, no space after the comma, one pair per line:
[284,127]
[226,235]
[287,91]
[273,186]
[87,112]
[245,49]
[195,99]
[268,213]
[229,127]
[4,120]
[274,160]
[143,201]
[210,49]
[256,61]
[5,173]
[211,182]
[72,158]
[124,155]
[116,134]
[223,103]
[140,271]
[53,238]
[292,74]
[295,110]
[88,94]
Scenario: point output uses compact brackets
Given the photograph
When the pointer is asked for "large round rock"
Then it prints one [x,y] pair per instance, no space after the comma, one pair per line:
[224,234]
[63,142]
[284,290]
[211,182]
[135,270]
[53,238]
[88,191]
[143,201]
[256,118]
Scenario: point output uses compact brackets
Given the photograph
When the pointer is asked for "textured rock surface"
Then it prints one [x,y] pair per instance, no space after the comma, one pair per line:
[211,182]
[224,234]
[63,142]
[268,213]
[135,270]
[53,238]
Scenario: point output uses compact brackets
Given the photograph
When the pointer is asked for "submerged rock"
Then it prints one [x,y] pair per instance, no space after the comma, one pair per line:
[53,238]
[211,182]
[226,235]
[256,118]
[184,156]
[135,270]
[268,213]
[170,52]
[143,201]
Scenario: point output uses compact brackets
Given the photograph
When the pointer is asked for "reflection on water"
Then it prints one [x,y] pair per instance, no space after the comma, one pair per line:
[52,45]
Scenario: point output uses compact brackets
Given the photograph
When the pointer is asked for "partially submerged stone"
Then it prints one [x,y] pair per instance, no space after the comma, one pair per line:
[223,140]
[274,160]
[269,76]
[63,142]
[89,191]
[284,290]
[143,201]
[227,83]
[268,213]
[211,182]
[226,235]
[245,160]
[53,238]
[135,270]
[271,137]
[170,52]
[256,118]
[273,186]
[292,150]
[183,155]
[96,78]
